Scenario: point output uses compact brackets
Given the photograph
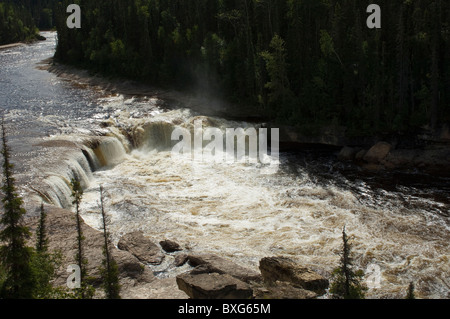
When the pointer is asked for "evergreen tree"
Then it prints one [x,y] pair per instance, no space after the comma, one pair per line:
[41,232]
[411,292]
[14,254]
[45,263]
[86,291]
[346,282]
[109,270]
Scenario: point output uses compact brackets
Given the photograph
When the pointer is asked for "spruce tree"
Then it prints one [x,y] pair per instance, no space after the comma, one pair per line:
[109,270]
[45,263]
[14,254]
[41,234]
[347,282]
[411,294]
[85,291]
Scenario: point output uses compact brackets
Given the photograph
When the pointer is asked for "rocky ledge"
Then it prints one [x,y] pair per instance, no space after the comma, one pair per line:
[433,159]
[197,275]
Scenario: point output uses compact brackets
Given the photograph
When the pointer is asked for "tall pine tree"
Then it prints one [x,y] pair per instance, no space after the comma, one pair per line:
[86,291]
[347,281]
[109,270]
[14,254]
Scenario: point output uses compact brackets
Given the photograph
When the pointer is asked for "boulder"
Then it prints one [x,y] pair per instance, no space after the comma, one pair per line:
[180,260]
[275,269]
[212,263]
[360,155]
[129,266]
[170,246]
[282,290]
[213,286]
[347,154]
[142,248]
[378,153]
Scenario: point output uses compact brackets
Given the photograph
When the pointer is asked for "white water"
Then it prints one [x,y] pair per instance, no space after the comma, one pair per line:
[237,211]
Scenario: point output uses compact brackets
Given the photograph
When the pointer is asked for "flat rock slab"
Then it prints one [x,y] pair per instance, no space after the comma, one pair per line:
[275,269]
[214,263]
[283,290]
[141,247]
[213,286]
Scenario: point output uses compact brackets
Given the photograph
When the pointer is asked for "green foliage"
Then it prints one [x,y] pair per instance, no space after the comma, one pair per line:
[346,281]
[15,256]
[86,291]
[109,270]
[18,20]
[411,291]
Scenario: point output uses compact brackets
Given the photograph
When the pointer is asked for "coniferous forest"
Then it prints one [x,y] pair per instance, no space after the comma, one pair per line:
[306,63]
[20,19]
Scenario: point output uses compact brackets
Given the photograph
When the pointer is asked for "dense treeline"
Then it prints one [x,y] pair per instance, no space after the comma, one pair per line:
[304,62]
[20,19]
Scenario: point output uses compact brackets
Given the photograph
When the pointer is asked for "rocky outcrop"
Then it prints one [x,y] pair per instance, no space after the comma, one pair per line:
[432,159]
[275,269]
[61,232]
[213,263]
[141,247]
[213,286]
[378,153]
[348,153]
[170,246]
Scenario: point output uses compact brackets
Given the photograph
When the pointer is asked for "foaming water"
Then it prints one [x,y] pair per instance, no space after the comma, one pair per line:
[237,211]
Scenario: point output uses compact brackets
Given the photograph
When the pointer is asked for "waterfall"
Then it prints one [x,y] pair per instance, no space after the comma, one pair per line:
[79,164]
[110,152]
[155,136]
[76,166]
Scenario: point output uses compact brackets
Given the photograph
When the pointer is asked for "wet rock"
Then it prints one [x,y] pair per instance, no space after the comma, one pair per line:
[170,246]
[282,290]
[221,265]
[378,153]
[180,260]
[213,286]
[275,269]
[142,248]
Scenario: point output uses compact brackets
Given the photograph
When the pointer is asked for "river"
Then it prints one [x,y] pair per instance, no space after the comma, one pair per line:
[400,222]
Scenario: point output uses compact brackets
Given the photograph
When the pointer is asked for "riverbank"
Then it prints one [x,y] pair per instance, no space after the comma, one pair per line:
[12,45]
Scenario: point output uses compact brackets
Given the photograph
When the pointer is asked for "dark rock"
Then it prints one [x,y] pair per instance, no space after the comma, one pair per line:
[213,286]
[360,155]
[142,248]
[170,246]
[348,154]
[221,265]
[378,153]
[180,260]
[275,269]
